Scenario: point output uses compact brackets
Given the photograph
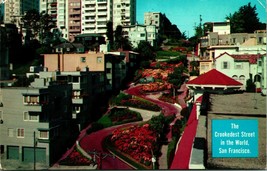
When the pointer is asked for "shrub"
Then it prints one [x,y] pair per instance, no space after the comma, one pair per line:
[95,127]
[171,151]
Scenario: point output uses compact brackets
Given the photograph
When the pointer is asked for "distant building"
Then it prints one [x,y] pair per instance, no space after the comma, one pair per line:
[37,118]
[90,42]
[59,13]
[124,13]
[74,18]
[95,15]
[137,33]
[14,9]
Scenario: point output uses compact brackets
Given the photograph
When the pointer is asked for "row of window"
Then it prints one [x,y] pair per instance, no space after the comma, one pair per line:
[20,133]
[226,65]
[98,59]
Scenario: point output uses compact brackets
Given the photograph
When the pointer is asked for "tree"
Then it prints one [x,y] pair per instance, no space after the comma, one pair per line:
[245,20]
[146,51]
[46,24]
[121,42]
[31,21]
[176,78]
[110,33]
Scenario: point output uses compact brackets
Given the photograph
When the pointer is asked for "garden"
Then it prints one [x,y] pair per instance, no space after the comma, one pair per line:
[139,143]
[136,102]
[76,158]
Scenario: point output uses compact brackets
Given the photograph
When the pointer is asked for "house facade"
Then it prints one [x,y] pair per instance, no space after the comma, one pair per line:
[239,67]
[37,119]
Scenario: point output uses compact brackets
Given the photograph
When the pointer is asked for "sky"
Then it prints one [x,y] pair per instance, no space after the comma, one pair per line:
[186,13]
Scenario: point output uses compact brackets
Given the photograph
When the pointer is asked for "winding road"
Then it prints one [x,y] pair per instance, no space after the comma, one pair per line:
[94,140]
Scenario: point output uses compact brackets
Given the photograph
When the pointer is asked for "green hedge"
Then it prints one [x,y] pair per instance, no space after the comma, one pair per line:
[171,151]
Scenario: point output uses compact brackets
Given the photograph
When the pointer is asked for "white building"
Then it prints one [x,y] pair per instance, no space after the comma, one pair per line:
[240,67]
[153,18]
[58,10]
[138,33]
[14,9]
[95,15]
[124,12]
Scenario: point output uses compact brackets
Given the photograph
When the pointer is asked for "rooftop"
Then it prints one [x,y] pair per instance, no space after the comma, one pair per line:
[214,77]
[238,104]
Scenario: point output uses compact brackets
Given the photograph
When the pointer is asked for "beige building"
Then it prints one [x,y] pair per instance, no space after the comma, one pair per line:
[113,65]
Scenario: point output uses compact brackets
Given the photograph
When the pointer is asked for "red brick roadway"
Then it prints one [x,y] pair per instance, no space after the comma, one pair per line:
[94,140]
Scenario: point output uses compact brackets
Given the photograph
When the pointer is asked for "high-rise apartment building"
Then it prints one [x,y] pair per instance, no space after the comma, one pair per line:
[14,9]
[74,21]
[95,15]
[58,9]
[124,13]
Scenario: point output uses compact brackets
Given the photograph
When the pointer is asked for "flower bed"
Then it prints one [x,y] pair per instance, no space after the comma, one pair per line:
[157,86]
[136,141]
[123,115]
[75,158]
[142,104]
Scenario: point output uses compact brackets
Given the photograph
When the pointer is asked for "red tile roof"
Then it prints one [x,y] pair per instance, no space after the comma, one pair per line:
[214,77]
[251,58]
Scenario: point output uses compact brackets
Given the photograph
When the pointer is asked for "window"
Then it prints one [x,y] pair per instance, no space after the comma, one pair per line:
[242,77]
[10,132]
[225,65]
[30,116]
[99,59]
[142,35]
[235,77]
[43,134]
[238,65]
[20,133]
[83,59]
[259,63]
[31,100]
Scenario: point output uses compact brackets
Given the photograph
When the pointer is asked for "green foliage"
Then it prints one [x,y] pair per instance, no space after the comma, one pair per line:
[167,53]
[117,100]
[96,126]
[120,41]
[245,20]
[145,64]
[176,78]
[146,51]
[157,123]
[110,34]
[171,151]
[105,121]
[250,86]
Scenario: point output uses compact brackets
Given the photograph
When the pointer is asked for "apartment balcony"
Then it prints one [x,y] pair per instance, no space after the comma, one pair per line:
[91,8]
[88,2]
[89,14]
[102,1]
[77,100]
[102,7]
[75,12]
[102,13]
[75,24]
[101,19]
[52,1]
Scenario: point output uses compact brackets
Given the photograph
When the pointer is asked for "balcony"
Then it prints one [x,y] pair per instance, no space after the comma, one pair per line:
[102,13]
[90,2]
[77,100]
[74,12]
